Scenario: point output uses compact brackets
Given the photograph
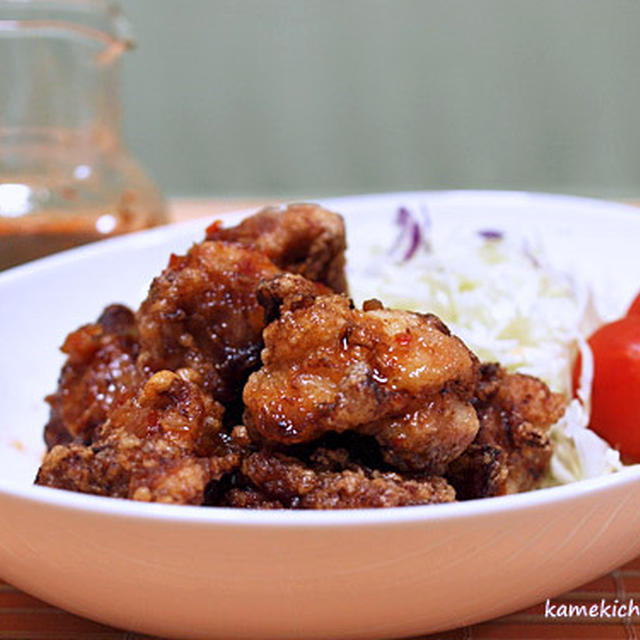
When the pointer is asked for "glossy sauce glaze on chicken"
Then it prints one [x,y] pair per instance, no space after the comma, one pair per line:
[247,378]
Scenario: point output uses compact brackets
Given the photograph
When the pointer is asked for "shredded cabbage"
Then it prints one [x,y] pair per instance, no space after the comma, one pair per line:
[499,294]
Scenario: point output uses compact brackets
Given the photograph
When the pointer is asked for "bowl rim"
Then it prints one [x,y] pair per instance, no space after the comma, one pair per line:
[300,519]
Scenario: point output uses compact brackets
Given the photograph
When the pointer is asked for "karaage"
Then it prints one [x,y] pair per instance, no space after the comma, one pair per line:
[512,449]
[396,375]
[248,379]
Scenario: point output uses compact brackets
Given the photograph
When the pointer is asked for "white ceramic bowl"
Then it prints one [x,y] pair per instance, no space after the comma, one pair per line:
[223,573]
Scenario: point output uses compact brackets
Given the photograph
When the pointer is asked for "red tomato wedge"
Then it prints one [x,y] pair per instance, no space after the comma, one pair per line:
[615,399]
[634,309]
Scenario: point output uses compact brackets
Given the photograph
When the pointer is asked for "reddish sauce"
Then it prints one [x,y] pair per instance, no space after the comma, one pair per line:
[31,237]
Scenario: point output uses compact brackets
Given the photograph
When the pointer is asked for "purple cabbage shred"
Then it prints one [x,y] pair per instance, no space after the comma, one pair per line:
[491,234]
[410,234]
[415,241]
[528,252]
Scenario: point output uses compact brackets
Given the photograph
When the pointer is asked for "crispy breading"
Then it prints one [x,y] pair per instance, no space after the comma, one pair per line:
[280,481]
[512,449]
[99,372]
[299,238]
[165,444]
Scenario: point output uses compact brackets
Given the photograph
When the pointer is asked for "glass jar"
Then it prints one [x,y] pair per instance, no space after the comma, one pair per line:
[65,176]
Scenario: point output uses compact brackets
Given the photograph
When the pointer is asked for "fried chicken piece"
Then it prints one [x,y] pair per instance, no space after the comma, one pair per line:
[512,450]
[301,238]
[163,445]
[396,375]
[279,481]
[287,292]
[202,313]
[428,438]
[99,372]
[480,472]
[250,498]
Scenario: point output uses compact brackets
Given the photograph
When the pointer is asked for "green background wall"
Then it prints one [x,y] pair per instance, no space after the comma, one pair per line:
[315,97]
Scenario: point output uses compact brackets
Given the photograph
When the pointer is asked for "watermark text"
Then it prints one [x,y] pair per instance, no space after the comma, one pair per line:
[603,609]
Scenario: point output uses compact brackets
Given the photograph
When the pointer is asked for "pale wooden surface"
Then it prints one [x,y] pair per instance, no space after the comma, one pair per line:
[183,209]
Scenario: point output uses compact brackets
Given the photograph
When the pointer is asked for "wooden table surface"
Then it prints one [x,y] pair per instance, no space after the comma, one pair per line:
[24,617]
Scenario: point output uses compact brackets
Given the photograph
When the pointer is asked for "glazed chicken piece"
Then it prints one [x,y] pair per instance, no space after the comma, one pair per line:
[301,238]
[512,450]
[429,437]
[100,371]
[163,445]
[395,375]
[202,313]
[277,481]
